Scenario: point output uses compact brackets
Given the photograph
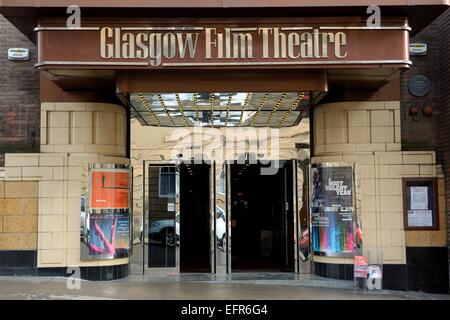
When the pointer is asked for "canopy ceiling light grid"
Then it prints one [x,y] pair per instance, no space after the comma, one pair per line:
[273,109]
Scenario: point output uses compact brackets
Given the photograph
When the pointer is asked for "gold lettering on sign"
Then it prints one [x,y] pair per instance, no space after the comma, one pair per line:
[222,44]
[210,42]
[294,42]
[244,43]
[155,49]
[188,42]
[106,49]
[170,49]
[228,44]
[325,38]
[128,46]
[306,48]
[279,40]
[340,41]
[265,37]
[141,40]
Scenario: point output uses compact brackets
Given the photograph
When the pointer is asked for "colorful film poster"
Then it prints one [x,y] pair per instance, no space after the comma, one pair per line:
[110,234]
[332,210]
[109,189]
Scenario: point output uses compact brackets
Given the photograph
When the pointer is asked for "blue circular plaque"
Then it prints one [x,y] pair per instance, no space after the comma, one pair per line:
[419,85]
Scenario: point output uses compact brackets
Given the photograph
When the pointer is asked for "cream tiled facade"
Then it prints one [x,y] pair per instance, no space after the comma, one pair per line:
[72,135]
[83,128]
[368,135]
[18,215]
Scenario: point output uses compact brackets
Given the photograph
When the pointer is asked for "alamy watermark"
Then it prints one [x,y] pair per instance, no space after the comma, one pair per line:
[231,145]
[74,20]
[74,280]
[374,20]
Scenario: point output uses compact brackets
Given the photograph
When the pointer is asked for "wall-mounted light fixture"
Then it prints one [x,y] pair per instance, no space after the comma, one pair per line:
[413,110]
[427,110]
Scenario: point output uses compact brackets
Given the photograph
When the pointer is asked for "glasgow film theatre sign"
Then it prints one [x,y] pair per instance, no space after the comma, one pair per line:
[216,44]
[269,43]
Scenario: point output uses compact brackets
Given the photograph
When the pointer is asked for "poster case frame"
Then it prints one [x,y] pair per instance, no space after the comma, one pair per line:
[353,208]
[86,211]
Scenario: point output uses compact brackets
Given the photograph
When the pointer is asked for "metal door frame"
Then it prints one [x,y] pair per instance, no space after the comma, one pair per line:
[227,166]
[147,164]
[212,215]
[304,167]
[295,212]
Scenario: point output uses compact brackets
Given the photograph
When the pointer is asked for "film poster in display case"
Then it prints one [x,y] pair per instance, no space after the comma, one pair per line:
[105,212]
[332,209]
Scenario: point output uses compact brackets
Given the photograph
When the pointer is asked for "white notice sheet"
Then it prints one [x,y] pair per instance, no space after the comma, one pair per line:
[419,198]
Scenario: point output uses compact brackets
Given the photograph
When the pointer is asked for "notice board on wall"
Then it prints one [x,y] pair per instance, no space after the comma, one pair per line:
[420,203]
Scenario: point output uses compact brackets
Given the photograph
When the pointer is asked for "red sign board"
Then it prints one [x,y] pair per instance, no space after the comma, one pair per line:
[360,267]
[109,189]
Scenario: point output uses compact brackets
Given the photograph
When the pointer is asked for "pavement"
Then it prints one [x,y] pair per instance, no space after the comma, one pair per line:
[172,288]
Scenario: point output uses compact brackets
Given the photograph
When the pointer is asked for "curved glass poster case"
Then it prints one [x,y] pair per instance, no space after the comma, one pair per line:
[332,209]
[105,212]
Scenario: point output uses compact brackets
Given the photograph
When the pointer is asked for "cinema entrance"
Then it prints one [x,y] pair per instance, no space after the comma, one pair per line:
[218,180]
[247,224]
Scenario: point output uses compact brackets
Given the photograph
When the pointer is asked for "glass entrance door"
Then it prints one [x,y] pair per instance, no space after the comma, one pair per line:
[263,224]
[196,224]
[178,230]
[247,222]
[162,228]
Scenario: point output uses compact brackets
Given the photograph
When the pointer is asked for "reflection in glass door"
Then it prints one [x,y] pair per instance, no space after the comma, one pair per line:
[162,228]
[179,205]
[219,219]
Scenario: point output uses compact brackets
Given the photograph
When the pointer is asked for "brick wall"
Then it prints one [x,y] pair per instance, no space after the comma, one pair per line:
[421,132]
[431,132]
[443,23]
[19,95]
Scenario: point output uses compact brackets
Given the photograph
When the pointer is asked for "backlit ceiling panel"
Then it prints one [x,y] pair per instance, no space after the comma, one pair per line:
[273,109]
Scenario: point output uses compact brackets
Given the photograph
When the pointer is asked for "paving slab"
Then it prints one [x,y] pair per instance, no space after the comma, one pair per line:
[172,288]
